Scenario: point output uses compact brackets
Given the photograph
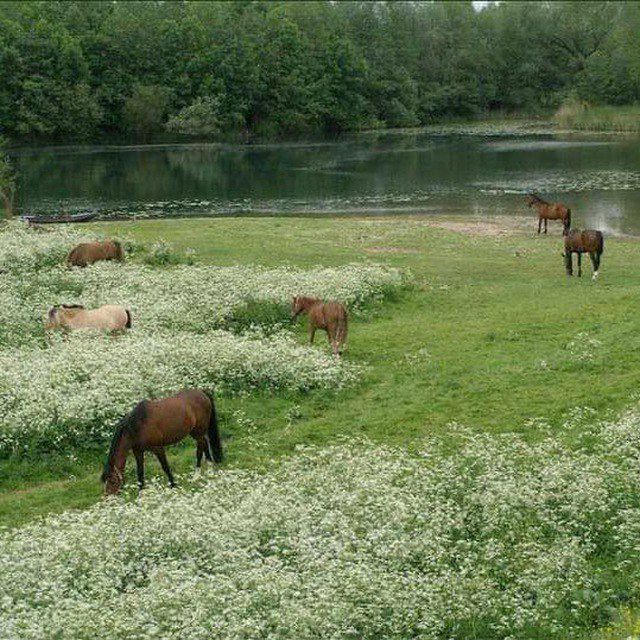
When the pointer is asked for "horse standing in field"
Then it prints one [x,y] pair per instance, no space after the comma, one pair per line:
[549,211]
[154,424]
[588,241]
[330,316]
[89,252]
[74,316]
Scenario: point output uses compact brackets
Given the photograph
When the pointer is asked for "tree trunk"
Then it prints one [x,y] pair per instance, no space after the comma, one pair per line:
[8,204]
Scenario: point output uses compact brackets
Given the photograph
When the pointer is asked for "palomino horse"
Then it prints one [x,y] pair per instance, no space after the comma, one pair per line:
[74,316]
[153,424]
[89,252]
[588,241]
[330,316]
[549,211]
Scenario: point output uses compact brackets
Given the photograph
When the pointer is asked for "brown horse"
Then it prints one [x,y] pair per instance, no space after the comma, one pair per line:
[330,316]
[89,252]
[153,424]
[549,211]
[589,241]
[74,316]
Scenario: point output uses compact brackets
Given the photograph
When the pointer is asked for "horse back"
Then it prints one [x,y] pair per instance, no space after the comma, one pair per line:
[336,312]
[171,419]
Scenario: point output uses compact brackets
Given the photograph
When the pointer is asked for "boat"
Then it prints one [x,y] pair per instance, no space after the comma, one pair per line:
[74,217]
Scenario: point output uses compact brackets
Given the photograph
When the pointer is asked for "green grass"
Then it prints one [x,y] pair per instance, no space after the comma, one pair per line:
[480,339]
[581,117]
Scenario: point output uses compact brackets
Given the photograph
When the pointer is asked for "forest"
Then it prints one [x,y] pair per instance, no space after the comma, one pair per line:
[83,71]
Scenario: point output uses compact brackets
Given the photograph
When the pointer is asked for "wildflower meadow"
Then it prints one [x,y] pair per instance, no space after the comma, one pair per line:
[350,541]
[193,325]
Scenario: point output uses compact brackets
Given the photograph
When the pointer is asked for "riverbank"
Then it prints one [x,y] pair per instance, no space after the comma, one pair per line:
[598,119]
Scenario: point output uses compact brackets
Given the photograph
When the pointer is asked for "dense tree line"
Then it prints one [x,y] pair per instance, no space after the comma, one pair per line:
[80,70]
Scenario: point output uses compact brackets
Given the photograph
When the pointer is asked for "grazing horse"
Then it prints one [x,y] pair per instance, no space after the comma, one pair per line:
[588,241]
[89,252]
[330,316]
[549,211]
[153,424]
[74,316]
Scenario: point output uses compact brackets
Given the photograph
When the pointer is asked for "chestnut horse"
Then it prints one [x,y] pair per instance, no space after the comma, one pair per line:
[589,241]
[330,316]
[89,252]
[153,424]
[549,211]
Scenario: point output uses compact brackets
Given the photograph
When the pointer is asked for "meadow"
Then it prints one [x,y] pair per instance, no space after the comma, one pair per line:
[475,476]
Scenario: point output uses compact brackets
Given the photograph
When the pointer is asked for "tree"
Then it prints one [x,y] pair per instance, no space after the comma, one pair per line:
[146,108]
[7,181]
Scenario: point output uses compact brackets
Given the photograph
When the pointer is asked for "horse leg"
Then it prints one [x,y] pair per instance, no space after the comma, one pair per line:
[568,262]
[312,332]
[199,452]
[207,449]
[162,459]
[595,261]
[579,264]
[546,222]
[139,456]
[539,224]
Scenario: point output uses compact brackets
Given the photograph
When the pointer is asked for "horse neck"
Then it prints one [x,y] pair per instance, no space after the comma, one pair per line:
[118,457]
[309,303]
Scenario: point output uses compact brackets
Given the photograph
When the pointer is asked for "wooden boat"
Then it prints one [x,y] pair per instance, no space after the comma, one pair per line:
[75,217]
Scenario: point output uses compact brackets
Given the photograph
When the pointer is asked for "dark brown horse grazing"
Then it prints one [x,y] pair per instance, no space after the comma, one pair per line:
[330,316]
[549,211]
[89,252]
[588,241]
[153,424]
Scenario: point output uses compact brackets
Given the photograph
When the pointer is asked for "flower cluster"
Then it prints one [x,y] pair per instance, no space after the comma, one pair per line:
[58,393]
[503,539]
[70,393]
[23,248]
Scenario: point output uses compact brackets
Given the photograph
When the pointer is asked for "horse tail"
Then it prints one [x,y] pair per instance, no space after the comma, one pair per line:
[127,424]
[128,325]
[599,242]
[213,433]
[342,326]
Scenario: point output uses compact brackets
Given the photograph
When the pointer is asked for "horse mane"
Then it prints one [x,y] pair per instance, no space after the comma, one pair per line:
[72,306]
[127,424]
[307,301]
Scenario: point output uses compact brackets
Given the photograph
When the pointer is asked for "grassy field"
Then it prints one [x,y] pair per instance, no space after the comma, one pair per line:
[492,335]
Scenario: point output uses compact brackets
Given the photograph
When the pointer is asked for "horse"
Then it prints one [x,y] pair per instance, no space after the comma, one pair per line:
[549,211]
[89,252]
[588,241]
[153,424]
[330,316]
[74,316]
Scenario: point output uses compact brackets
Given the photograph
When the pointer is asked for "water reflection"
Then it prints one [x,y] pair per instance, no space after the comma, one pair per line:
[386,172]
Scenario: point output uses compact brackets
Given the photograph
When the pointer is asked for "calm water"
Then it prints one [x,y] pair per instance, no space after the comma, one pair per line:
[374,174]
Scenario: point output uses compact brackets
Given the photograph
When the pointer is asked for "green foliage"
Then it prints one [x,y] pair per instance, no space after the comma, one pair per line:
[202,117]
[145,109]
[214,69]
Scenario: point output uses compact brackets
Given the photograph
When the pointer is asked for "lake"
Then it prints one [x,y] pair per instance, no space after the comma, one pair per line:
[382,173]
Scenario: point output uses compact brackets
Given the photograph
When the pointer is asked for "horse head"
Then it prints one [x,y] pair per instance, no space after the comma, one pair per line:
[113,480]
[531,199]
